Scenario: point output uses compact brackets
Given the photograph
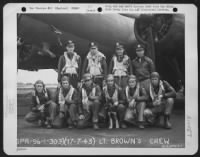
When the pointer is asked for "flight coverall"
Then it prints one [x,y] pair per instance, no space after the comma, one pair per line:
[89,107]
[114,102]
[120,69]
[95,65]
[137,96]
[49,109]
[68,105]
[70,67]
[161,101]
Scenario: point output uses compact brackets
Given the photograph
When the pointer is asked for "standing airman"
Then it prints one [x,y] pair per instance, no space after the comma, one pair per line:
[69,64]
[120,66]
[95,64]
[143,66]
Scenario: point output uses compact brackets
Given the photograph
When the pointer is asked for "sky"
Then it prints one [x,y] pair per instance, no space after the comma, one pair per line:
[47,75]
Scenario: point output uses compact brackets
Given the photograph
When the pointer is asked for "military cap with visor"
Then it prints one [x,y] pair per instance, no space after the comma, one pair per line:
[93,45]
[70,43]
[139,47]
[119,46]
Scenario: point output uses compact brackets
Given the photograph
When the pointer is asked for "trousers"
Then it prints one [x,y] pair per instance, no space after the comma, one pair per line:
[35,116]
[91,116]
[70,116]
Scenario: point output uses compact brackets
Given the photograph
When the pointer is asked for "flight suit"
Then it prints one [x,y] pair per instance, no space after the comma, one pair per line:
[70,110]
[69,67]
[95,65]
[120,70]
[112,96]
[139,96]
[89,108]
[161,101]
[49,110]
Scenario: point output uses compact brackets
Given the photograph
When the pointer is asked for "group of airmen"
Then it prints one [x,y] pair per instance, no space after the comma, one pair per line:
[90,94]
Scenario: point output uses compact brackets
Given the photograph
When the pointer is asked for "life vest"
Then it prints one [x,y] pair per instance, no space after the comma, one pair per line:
[135,95]
[37,98]
[94,63]
[71,65]
[120,68]
[61,97]
[161,90]
[114,97]
[85,97]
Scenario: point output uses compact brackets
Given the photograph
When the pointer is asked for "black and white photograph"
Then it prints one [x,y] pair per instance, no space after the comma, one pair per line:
[101,80]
